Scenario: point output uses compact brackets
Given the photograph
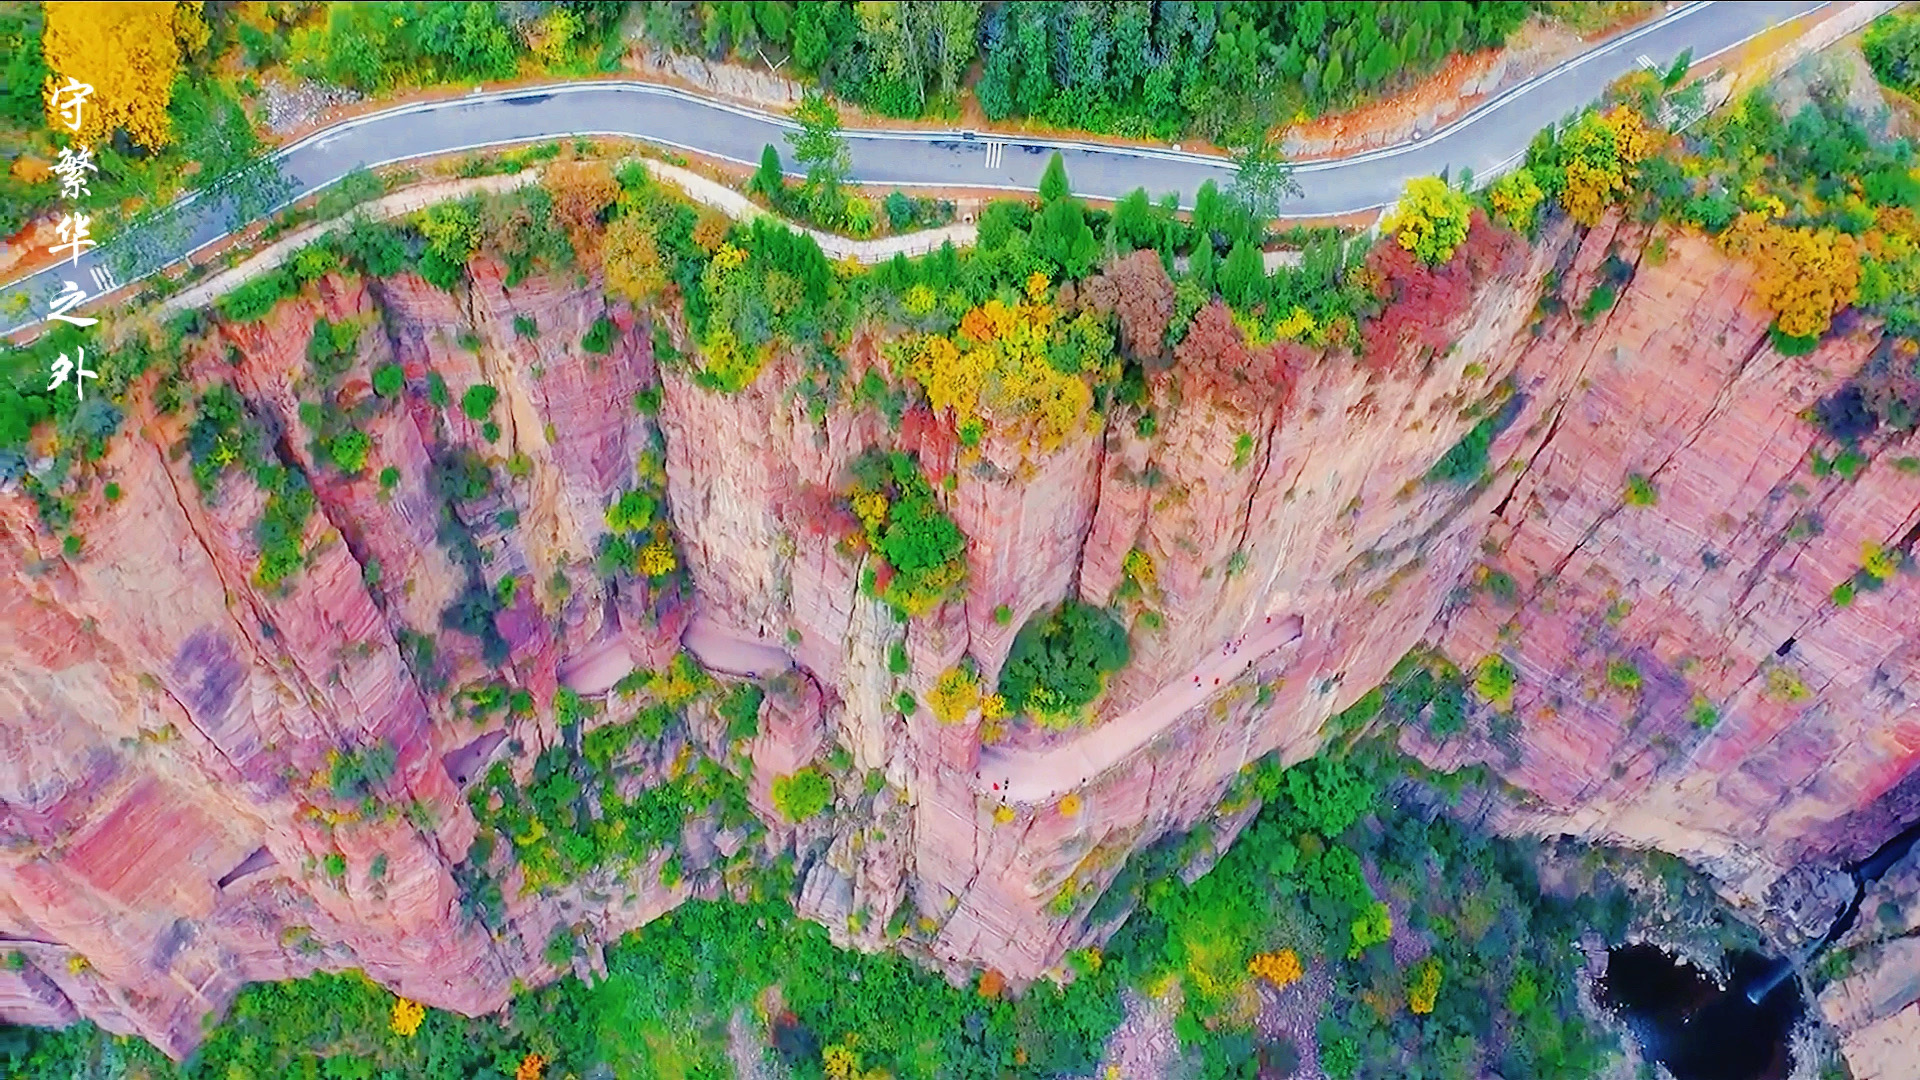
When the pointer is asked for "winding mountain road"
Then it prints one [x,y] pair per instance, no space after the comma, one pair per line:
[1484,140]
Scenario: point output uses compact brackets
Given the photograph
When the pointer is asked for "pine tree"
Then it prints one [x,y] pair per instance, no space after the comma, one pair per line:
[1133,222]
[1053,182]
[769,181]
[1200,266]
[1243,277]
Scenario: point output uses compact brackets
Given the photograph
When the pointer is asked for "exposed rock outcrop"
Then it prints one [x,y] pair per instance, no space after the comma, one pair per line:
[169,723]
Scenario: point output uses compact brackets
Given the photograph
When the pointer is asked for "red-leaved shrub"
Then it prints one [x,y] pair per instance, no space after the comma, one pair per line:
[1215,360]
[1422,303]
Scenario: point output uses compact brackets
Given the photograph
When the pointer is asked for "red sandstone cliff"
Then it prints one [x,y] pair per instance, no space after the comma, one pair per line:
[168,724]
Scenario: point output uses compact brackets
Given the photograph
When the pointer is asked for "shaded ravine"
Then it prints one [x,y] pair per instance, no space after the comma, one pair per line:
[1701,1028]
[1689,1021]
[1864,873]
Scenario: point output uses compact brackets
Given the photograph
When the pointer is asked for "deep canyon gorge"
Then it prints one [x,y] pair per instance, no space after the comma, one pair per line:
[1655,548]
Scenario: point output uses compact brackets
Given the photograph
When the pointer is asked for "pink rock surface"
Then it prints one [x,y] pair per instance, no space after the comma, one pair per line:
[167,724]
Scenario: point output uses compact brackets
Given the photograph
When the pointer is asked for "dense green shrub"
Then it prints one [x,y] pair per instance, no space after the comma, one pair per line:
[1060,662]
[349,451]
[377,46]
[1330,794]
[282,524]
[252,301]
[741,710]
[478,401]
[1599,300]
[1466,461]
[377,248]
[802,795]
[388,379]
[1892,47]
[599,337]
[920,553]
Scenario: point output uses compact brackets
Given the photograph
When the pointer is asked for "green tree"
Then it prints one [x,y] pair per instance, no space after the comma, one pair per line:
[1262,178]
[478,401]
[1211,213]
[1134,223]
[768,180]
[1036,58]
[1892,48]
[388,379]
[917,43]
[1062,235]
[823,36]
[1060,661]
[802,794]
[1053,182]
[899,209]
[1243,277]
[820,149]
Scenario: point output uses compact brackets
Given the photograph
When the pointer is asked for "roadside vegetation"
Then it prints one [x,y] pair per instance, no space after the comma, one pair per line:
[1225,72]
[822,199]
[182,106]
[188,110]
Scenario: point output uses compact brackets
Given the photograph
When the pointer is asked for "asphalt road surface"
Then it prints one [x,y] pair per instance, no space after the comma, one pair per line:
[1482,141]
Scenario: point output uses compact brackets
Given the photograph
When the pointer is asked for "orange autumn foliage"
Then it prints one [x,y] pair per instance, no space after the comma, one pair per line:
[1001,370]
[1806,276]
[992,984]
[532,1067]
[1279,968]
[31,169]
[580,191]
[129,54]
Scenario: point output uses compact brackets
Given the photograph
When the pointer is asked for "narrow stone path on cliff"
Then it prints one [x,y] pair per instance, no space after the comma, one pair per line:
[717,647]
[1484,140]
[1044,775]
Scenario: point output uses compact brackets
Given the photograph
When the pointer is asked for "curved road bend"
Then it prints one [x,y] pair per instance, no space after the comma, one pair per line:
[1483,140]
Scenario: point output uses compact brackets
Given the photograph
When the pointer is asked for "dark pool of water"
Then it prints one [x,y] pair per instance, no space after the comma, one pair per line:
[1697,1029]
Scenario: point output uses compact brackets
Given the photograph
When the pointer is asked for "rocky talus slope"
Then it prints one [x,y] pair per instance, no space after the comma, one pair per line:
[168,825]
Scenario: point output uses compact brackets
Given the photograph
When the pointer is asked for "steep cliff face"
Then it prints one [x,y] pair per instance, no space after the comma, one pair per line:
[1766,721]
[176,816]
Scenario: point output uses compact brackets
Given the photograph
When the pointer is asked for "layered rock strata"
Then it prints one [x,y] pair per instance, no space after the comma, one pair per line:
[168,722]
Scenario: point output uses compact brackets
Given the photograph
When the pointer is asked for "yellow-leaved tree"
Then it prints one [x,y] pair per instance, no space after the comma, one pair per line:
[1431,219]
[1515,197]
[1603,152]
[1019,369]
[129,54]
[634,267]
[1805,275]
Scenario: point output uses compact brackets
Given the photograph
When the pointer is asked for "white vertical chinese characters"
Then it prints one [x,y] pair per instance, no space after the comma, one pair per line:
[73,231]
